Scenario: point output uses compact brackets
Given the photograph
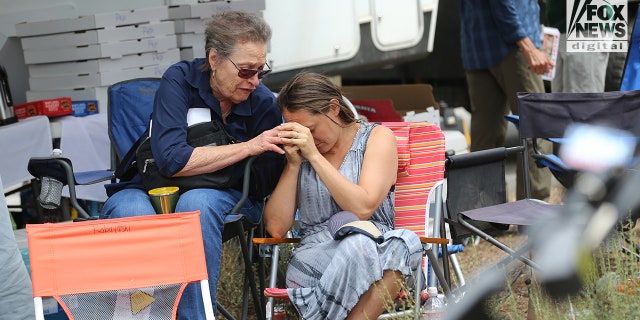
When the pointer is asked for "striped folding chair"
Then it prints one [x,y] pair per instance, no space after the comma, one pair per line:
[421,155]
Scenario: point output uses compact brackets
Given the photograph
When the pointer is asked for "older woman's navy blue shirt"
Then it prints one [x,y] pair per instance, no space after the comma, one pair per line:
[184,85]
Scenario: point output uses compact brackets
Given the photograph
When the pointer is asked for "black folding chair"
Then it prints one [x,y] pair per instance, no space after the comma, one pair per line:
[547,115]
[477,199]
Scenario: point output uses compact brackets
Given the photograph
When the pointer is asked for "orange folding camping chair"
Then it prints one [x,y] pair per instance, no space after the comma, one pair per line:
[127,268]
[421,154]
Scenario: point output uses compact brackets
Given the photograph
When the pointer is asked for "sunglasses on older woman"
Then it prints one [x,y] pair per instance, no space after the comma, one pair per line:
[246,73]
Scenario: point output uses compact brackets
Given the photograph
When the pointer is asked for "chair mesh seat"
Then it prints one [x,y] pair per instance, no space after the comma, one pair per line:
[139,303]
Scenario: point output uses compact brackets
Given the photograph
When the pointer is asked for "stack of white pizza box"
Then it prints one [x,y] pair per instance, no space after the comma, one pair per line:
[80,57]
[191,19]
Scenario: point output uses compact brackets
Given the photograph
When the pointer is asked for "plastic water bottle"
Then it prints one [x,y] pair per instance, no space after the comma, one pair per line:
[434,308]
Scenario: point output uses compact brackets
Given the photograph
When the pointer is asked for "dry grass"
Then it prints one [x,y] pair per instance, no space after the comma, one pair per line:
[610,282]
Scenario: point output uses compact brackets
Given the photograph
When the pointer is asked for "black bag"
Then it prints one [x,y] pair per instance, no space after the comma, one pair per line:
[198,135]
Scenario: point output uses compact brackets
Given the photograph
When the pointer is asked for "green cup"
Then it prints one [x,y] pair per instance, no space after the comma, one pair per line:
[164,199]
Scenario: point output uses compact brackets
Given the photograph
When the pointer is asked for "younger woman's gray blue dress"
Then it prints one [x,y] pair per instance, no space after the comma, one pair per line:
[326,277]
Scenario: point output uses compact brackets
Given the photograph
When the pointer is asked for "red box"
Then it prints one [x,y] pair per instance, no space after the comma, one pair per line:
[377,110]
[50,107]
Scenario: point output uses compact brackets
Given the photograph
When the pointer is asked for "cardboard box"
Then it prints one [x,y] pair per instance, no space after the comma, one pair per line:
[405,97]
[112,50]
[92,93]
[377,110]
[207,9]
[190,25]
[105,64]
[86,80]
[191,53]
[96,21]
[176,2]
[51,107]
[88,37]
[25,110]
[190,40]
[84,108]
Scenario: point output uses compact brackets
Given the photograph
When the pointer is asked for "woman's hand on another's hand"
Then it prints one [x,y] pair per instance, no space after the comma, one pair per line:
[268,140]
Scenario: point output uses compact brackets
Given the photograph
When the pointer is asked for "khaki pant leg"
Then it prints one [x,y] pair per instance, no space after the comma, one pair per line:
[514,75]
[493,94]
[488,108]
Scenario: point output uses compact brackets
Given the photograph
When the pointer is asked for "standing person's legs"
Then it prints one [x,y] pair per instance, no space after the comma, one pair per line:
[579,71]
[214,206]
[488,108]
[514,76]
[561,75]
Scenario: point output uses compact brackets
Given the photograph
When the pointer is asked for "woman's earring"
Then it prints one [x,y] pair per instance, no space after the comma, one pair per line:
[213,74]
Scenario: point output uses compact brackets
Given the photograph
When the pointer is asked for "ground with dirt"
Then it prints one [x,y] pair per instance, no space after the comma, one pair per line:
[479,256]
[474,260]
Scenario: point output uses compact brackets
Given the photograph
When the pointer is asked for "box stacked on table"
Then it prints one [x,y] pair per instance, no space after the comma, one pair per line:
[191,19]
[50,107]
[81,57]
[84,108]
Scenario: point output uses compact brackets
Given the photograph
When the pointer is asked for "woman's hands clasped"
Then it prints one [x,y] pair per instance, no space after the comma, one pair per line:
[298,142]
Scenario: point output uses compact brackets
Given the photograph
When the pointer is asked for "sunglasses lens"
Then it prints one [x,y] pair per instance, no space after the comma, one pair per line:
[246,73]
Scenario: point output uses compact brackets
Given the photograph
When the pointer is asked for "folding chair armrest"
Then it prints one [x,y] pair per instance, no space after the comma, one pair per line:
[434,240]
[297,240]
[275,240]
[551,161]
[246,182]
[276,293]
[515,119]
[55,167]
[61,169]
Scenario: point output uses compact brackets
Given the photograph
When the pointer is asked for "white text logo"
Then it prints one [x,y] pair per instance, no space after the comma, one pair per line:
[597,26]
